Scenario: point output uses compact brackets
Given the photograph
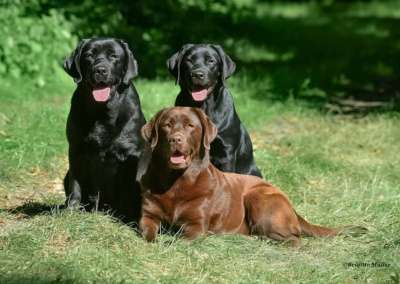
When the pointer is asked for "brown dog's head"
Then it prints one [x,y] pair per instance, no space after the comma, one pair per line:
[180,135]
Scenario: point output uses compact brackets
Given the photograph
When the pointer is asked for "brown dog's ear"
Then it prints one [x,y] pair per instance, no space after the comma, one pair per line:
[174,62]
[210,131]
[150,129]
[72,63]
[131,66]
[228,66]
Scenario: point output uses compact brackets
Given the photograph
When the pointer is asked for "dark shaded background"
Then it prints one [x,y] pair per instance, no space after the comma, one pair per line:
[341,54]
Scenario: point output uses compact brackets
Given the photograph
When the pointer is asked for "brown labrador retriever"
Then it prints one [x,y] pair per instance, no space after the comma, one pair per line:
[181,187]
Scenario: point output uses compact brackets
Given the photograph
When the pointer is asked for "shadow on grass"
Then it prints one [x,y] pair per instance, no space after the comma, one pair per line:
[333,62]
[31,209]
[19,279]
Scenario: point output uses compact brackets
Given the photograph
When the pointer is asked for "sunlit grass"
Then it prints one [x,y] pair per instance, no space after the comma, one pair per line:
[336,170]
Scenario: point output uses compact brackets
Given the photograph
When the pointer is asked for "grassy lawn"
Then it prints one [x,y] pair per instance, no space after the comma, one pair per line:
[337,170]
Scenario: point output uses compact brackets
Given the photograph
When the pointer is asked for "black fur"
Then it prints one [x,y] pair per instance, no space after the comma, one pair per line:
[199,67]
[104,136]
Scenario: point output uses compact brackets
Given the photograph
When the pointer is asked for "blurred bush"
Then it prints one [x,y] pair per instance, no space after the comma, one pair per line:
[32,43]
[38,33]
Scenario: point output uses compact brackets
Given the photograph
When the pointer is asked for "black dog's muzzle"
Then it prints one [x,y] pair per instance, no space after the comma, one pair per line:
[101,73]
[199,77]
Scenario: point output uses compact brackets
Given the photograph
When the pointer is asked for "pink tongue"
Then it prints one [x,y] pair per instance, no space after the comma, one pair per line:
[200,95]
[101,95]
[175,159]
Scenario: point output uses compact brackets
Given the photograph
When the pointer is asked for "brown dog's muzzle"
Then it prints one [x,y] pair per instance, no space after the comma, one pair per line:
[176,139]
[179,154]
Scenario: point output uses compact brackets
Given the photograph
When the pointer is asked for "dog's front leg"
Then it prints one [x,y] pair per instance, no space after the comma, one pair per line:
[73,191]
[94,201]
[193,230]
[149,226]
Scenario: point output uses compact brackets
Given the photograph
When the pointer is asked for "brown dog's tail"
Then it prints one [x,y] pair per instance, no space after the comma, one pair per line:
[311,230]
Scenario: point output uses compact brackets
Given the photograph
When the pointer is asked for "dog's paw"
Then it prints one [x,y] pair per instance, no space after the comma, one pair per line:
[73,204]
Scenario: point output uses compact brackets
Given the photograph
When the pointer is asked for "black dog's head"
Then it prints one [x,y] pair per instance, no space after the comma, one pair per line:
[198,68]
[102,64]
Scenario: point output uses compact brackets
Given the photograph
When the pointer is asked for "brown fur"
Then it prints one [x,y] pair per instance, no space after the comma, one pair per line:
[200,198]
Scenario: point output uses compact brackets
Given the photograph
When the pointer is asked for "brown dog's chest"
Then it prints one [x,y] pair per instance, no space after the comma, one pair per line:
[177,207]
[210,204]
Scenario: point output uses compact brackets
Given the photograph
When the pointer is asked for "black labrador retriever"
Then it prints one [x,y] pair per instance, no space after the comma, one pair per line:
[201,71]
[103,129]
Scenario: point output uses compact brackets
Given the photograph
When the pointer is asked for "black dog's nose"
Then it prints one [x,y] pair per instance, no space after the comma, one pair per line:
[101,70]
[198,74]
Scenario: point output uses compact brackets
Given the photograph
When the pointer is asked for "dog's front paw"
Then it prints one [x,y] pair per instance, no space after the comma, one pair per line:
[149,229]
[73,204]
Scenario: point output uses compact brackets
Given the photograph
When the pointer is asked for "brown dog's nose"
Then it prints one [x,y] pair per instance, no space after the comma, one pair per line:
[175,139]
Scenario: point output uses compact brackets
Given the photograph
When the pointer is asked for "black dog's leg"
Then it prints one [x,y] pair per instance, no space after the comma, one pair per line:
[223,155]
[94,201]
[254,171]
[72,191]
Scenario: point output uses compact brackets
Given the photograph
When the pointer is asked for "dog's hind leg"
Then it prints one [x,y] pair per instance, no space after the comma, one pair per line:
[271,215]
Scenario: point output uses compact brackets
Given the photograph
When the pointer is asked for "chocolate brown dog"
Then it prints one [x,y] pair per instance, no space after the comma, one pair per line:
[181,187]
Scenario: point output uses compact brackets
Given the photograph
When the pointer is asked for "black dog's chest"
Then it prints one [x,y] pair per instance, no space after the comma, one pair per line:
[101,135]
[100,142]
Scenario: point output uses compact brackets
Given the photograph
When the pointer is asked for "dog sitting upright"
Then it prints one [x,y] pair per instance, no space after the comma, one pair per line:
[201,71]
[103,129]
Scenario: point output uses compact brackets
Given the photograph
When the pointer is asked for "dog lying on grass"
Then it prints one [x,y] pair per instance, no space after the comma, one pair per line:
[181,187]
[103,129]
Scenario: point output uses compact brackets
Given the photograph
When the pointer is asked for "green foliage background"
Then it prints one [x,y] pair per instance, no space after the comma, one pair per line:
[340,46]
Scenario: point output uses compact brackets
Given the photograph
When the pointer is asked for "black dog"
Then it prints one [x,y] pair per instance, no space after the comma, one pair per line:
[201,71]
[103,129]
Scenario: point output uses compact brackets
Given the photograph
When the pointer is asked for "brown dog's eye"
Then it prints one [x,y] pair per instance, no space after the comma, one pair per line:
[166,125]
[191,125]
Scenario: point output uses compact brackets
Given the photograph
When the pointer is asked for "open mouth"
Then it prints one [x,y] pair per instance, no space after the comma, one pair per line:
[200,94]
[102,94]
[177,158]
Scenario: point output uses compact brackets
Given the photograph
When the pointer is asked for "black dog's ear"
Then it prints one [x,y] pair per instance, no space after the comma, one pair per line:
[174,62]
[228,66]
[72,63]
[150,129]
[210,131]
[131,67]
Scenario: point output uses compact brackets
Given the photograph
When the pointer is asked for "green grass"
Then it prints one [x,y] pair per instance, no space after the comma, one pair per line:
[337,170]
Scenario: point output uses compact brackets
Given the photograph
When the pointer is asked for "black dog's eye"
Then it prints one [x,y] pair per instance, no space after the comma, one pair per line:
[88,55]
[113,56]
[188,60]
[210,60]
